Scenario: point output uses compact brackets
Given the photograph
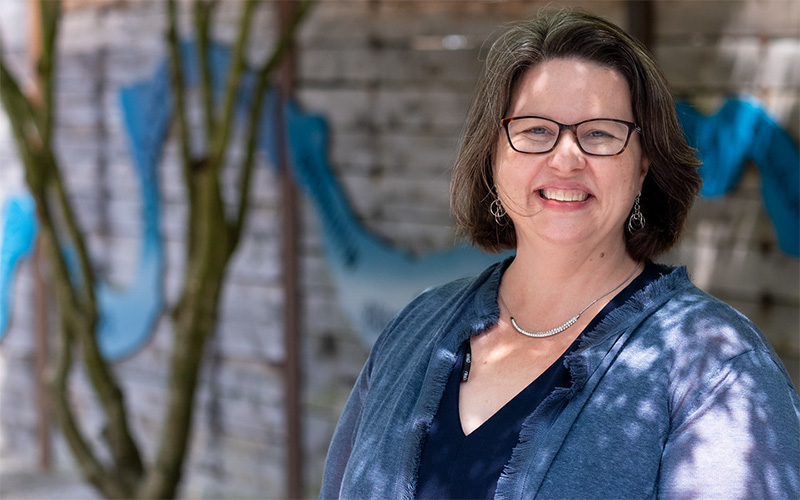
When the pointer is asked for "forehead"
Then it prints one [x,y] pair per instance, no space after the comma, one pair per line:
[571,90]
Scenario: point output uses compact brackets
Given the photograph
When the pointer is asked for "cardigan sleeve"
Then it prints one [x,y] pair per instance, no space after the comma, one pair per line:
[343,437]
[735,435]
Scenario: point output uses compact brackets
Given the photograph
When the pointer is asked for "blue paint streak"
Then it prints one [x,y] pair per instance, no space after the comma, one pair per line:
[741,131]
[373,279]
[18,229]
[128,314]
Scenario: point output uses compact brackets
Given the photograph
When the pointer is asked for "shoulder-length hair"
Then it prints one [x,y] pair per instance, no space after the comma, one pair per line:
[672,183]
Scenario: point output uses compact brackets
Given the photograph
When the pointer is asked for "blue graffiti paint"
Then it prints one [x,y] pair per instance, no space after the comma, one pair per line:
[17,235]
[741,131]
[373,279]
[128,314]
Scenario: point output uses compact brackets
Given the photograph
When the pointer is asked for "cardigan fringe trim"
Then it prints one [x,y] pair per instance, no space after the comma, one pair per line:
[656,293]
[580,367]
[487,314]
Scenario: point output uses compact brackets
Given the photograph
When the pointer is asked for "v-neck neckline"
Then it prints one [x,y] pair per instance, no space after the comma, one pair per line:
[555,373]
[526,397]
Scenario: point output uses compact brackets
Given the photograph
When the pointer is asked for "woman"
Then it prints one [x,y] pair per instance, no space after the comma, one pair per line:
[577,368]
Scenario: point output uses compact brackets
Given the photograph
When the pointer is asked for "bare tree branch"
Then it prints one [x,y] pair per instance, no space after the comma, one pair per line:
[49,11]
[219,141]
[178,90]
[254,118]
[202,12]
[33,126]
[211,241]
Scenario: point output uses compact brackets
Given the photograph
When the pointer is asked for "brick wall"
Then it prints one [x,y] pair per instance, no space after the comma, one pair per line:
[395,97]
[710,51]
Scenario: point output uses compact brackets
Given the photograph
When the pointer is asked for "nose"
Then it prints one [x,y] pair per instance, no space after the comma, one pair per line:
[567,155]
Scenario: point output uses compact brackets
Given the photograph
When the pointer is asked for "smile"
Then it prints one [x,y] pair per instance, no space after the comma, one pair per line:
[562,195]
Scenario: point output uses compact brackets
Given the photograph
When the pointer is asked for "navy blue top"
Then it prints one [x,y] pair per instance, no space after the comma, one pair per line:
[457,466]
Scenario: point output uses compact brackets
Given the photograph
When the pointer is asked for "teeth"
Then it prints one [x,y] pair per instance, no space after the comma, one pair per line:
[557,195]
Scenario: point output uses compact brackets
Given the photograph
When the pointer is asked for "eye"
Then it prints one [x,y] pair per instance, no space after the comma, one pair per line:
[599,134]
[602,131]
[537,131]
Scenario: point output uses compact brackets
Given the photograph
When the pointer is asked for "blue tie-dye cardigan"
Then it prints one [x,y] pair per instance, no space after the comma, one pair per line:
[674,395]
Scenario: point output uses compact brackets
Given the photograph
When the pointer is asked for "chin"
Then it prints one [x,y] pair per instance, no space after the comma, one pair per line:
[576,234]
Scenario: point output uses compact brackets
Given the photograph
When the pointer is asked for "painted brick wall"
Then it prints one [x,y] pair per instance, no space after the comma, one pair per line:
[395,98]
[710,51]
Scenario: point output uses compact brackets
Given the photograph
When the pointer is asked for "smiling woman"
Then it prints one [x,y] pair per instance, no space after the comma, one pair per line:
[557,192]
[578,368]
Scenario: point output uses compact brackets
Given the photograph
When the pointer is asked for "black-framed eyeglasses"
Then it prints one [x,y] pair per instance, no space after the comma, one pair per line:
[596,137]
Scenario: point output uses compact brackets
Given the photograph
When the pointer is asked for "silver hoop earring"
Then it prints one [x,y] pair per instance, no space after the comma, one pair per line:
[636,221]
[498,212]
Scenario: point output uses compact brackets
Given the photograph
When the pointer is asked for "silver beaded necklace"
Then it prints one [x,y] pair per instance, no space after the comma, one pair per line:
[570,322]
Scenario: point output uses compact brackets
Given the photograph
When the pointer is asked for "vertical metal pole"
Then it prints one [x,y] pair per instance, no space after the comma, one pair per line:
[41,347]
[640,21]
[289,220]
[40,361]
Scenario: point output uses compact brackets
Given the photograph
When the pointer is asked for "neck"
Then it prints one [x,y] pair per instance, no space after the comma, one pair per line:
[557,265]
[550,285]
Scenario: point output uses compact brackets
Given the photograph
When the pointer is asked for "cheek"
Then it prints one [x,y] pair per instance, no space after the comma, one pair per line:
[512,176]
[633,171]
[502,165]
[621,183]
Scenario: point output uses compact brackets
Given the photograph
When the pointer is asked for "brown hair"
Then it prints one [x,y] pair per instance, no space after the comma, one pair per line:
[672,182]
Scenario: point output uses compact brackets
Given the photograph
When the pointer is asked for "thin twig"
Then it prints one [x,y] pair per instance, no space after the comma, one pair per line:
[254,118]
[219,141]
[202,12]
[50,11]
[23,124]
[91,467]
[178,90]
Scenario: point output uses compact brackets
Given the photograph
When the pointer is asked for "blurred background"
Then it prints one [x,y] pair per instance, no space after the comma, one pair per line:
[379,90]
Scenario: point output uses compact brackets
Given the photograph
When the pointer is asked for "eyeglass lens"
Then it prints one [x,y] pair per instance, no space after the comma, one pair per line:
[596,137]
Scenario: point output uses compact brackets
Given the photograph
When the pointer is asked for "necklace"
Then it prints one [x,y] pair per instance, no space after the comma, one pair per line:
[570,322]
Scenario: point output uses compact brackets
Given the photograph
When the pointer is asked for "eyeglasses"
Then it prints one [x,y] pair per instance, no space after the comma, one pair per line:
[596,137]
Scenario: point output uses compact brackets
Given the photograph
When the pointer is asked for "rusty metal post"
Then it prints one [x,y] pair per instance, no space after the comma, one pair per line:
[291,316]
[640,21]
[41,344]
[40,360]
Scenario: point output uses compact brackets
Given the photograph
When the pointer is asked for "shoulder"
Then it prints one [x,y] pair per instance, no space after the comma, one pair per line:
[441,308]
[705,344]
[692,319]
[729,397]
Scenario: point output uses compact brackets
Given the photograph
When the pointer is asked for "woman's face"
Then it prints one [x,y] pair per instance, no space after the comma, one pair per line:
[566,196]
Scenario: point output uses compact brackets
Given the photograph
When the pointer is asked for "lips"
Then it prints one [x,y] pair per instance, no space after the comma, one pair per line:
[566,195]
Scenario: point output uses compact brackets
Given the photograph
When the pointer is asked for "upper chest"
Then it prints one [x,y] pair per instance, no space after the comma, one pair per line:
[503,364]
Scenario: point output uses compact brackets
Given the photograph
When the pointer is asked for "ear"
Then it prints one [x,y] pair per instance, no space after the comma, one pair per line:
[644,168]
